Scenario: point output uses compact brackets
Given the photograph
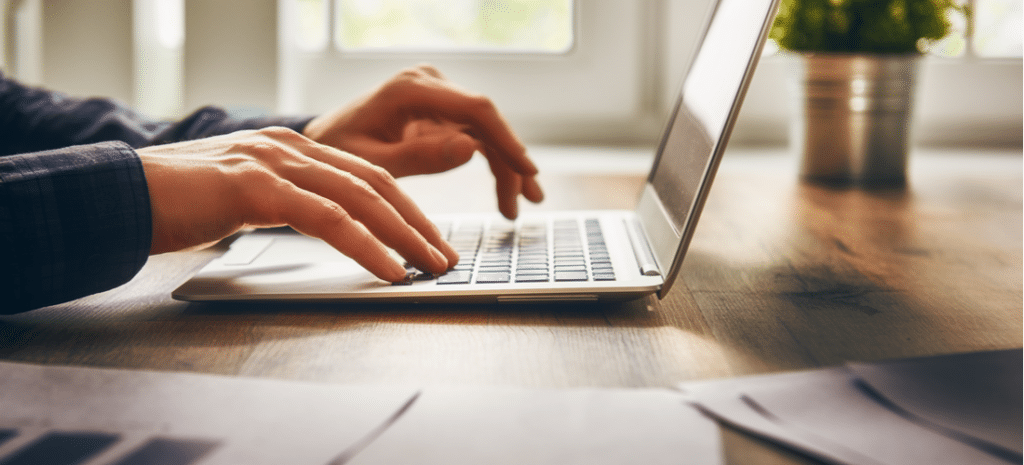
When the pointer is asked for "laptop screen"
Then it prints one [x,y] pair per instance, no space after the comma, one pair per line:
[705,111]
[710,93]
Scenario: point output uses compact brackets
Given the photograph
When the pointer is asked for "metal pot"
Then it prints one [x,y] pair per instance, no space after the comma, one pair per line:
[854,117]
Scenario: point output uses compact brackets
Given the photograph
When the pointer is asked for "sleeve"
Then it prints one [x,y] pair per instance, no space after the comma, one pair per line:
[34,119]
[73,222]
[74,204]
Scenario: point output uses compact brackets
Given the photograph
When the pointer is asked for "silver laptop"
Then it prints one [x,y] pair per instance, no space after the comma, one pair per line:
[564,256]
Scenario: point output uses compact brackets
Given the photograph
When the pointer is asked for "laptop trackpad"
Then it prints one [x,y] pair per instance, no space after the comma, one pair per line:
[281,262]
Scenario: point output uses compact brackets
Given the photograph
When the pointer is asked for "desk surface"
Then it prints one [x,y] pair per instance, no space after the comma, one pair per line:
[780,276]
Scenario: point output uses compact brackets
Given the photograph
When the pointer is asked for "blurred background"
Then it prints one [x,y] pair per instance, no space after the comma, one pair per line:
[593,72]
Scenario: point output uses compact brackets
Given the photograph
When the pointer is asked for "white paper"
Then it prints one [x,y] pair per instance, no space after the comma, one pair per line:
[580,426]
[728,402]
[826,414]
[976,394]
[261,421]
[254,421]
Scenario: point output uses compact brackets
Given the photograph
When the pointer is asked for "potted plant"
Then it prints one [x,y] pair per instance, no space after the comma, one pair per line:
[858,61]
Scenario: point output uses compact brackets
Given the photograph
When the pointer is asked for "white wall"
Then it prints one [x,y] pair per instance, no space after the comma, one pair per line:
[87,47]
[231,54]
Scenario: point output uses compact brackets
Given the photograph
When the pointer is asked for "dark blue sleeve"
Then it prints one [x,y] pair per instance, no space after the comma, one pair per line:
[34,119]
[74,204]
[73,222]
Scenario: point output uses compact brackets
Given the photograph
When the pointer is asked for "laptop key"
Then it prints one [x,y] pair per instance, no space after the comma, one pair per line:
[495,269]
[455,277]
[570,267]
[492,277]
[570,275]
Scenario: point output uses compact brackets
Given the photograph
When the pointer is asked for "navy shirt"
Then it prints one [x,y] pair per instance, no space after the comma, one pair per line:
[74,205]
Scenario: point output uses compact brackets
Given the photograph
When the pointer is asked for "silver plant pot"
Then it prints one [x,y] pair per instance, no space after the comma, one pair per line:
[853,124]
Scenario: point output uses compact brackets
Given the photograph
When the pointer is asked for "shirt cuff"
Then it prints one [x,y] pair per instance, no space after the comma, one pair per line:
[73,222]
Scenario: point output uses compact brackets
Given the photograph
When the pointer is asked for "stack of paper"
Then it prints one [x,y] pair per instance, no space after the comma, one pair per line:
[954,409]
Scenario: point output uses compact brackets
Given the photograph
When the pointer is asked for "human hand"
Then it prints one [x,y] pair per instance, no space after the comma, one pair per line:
[418,122]
[204,190]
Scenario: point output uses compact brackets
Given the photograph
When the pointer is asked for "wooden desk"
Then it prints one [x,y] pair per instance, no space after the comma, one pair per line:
[780,276]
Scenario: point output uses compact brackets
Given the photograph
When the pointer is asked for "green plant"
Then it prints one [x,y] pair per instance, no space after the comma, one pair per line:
[872,26]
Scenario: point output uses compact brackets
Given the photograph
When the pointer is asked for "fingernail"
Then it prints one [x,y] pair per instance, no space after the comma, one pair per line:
[439,259]
[397,272]
[536,194]
[454,260]
[513,209]
[450,254]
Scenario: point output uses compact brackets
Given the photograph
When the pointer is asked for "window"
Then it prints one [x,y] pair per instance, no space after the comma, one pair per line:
[495,26]
[613,71]
[158,41]
[997,28]
[993,30]
[417,26]
[608,71]
[554,67]
[968,89]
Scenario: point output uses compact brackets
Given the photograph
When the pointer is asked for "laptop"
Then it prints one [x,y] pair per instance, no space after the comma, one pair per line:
[541,257]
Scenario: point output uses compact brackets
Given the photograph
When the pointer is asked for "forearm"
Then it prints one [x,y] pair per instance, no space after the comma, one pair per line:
[73,222]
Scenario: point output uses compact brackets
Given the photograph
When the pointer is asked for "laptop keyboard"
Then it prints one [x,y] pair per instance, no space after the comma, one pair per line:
[529,252]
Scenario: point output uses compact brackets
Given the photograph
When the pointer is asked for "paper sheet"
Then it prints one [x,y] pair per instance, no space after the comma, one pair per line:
[581,426]
[121,417]
[829,415]
[976,395]
[247,420]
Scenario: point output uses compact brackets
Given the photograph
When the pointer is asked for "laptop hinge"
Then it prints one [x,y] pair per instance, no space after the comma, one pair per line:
[641,249]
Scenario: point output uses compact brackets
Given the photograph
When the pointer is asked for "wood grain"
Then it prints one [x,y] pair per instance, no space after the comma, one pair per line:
[781,276]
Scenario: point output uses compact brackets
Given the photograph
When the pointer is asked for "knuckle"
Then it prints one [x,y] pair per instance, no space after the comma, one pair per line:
[429,69]
[256,147]
[481,104]
[378,176]
[237,160]
[363,191]
[337,216]
[278,132]
[406,82]
[254,173]
[414,72]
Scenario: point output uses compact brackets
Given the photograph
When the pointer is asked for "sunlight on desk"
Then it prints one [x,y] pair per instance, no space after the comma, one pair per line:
[781,275]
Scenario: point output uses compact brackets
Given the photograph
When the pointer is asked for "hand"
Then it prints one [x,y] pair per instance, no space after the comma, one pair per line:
[418,122]
[204,190]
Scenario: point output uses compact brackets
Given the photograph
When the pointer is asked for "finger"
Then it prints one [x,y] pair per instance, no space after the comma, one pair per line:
[430,70]
[478,111]
[377,215]
[532,190]
[426,147]
[508,184]
[318,217]
[383,185]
